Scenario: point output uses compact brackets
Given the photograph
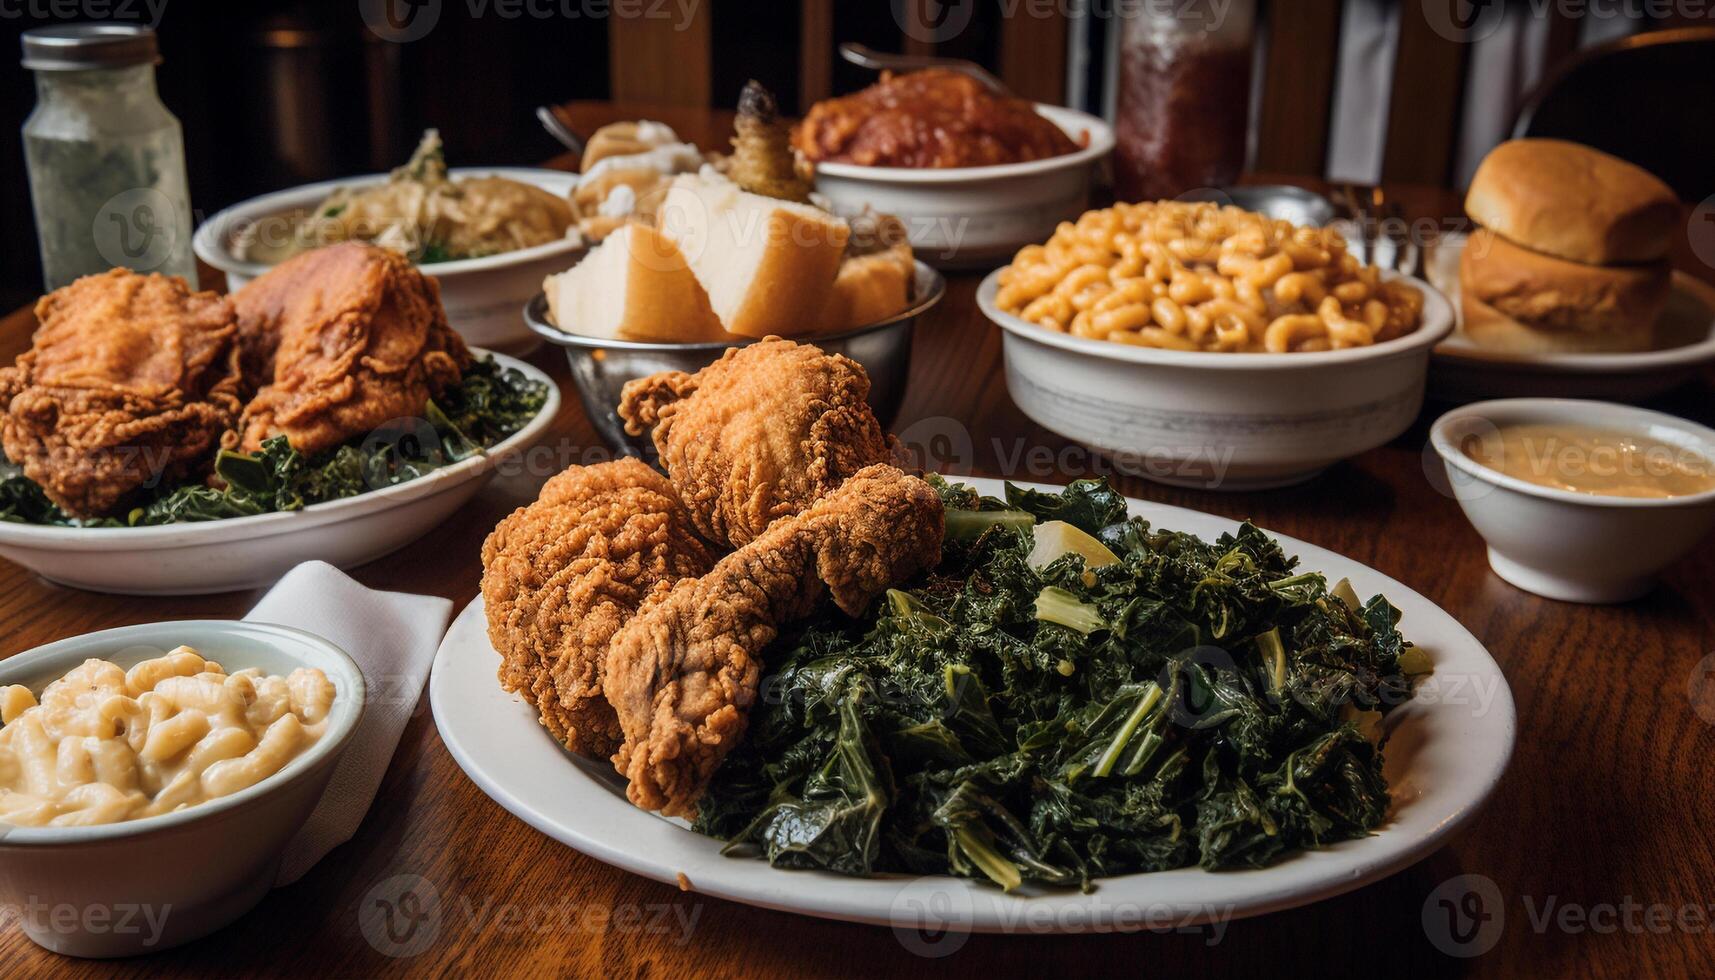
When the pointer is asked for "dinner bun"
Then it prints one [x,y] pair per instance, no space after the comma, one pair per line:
[1571,201]
[1521,300]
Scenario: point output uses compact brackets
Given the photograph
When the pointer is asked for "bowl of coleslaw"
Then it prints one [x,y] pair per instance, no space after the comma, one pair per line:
[91,881]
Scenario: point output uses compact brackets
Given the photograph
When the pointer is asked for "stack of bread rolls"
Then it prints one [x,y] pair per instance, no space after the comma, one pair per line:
[1572,250]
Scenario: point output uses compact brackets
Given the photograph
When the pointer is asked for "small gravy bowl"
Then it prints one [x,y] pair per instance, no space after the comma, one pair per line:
[1566,545]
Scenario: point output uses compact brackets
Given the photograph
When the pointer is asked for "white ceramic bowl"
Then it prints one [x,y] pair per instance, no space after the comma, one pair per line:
[963,217]
[146,885]
[248,552]
[482,296]
[1218,421]
[1572,546]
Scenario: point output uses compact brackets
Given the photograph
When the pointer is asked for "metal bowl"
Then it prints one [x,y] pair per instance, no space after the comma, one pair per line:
[600,368]
[1282,201]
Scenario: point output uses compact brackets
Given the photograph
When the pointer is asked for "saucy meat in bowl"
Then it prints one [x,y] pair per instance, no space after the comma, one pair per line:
[934,118]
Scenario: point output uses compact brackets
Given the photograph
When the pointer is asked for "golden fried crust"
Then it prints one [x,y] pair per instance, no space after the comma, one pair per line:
[342,340]
[130,382]
[560,576]
[758,435]
[683,673]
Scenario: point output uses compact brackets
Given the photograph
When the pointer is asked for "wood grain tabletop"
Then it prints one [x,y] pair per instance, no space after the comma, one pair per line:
[1598,842]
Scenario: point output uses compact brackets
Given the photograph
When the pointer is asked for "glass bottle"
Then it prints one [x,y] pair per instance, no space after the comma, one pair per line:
[106,158]
[1184,97]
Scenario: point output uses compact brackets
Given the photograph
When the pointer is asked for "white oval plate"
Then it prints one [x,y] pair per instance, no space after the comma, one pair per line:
[1449,747]
[1462,371]
[197,558]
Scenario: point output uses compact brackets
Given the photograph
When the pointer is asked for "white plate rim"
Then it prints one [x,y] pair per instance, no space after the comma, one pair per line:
[1680,358]
[1069,120]
[233,530]
[470,708]
[1437,324]
[209,241]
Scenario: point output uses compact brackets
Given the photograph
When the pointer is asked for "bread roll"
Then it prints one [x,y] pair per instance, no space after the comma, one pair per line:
[633,286]
[1550,304]
[767,265]
[869,289]
[1571,201]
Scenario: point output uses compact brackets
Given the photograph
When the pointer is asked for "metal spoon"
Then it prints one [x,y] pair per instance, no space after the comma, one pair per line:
[559,130]
[866,57]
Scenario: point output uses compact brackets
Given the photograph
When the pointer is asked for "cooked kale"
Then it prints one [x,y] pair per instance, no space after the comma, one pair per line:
[1192,703]
[488,405]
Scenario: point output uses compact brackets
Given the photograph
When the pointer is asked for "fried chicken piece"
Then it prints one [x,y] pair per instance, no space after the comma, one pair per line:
[560,576]
[340,341]
[759,434]
[130,381]
[682,674]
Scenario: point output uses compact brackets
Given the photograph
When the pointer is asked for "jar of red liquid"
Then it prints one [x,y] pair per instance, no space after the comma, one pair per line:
[1184,95]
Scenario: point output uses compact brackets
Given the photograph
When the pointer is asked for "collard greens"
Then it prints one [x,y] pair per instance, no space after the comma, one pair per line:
[1193,703]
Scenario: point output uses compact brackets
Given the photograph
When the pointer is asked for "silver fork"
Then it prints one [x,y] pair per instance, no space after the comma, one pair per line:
[866,57]
[1384,234]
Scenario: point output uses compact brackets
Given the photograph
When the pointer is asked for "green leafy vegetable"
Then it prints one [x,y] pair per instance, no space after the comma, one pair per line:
[1193,702]
[488,405]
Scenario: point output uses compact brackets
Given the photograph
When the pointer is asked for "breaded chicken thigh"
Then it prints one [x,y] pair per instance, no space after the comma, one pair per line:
[758,435]
[560,576]
[340,341]
[130,382]
[682,674]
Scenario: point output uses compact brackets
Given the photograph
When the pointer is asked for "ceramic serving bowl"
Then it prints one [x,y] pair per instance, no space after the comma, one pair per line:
[973,217]
[481,296]
[146,885]
[1218,421]
[600,368]
[248,552]
[1575,547]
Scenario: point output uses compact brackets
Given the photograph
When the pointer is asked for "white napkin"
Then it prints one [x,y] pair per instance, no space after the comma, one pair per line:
[393,637]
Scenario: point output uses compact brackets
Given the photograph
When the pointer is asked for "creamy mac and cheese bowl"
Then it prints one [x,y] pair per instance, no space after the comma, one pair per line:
[148,882]
[1219,420]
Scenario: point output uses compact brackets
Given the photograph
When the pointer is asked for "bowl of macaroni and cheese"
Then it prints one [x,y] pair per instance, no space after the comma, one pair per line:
[1201,345]
[151,776]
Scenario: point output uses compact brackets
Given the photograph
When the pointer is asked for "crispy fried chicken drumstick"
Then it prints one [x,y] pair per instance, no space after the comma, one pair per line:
[131,381]
[560,576]
[759,434]
[340,341]
[682,674]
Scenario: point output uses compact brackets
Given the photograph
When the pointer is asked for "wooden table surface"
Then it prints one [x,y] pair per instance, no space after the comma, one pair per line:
[1598,841]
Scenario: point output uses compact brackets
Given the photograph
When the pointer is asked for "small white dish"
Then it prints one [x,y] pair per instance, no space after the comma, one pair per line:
[971,217]
[1461,371]
[248,552]
[1447,750]
[146,885]
[1219,421]
[1575,547]
[482,296]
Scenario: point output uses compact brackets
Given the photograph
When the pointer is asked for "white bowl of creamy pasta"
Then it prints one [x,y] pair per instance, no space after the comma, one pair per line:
[1581,501]
[1216,420]
[147,796]
[482,295]
[1212,347]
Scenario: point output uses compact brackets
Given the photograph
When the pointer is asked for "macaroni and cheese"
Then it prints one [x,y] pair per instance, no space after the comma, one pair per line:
[106,744]
[1205,277]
